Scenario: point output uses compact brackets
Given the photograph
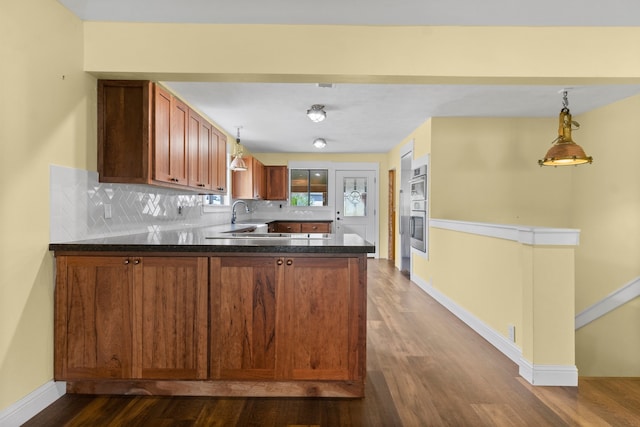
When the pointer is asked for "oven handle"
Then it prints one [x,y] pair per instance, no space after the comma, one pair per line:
[400,230]
[411,226]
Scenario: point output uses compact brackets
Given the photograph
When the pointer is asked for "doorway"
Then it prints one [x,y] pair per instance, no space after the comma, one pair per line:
[405,213]
[356,201]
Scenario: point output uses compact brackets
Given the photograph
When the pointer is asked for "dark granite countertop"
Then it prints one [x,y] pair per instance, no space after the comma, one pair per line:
[217,238]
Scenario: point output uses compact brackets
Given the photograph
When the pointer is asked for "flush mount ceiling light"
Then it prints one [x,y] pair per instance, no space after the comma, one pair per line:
[319,143]
[316,113]
[565,152]
[237,164]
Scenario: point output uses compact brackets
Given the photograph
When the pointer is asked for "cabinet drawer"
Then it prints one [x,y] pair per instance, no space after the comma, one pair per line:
[315,227]
[287,227]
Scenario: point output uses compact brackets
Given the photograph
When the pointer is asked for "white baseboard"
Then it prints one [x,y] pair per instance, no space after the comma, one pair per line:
[534,374]
[30,405]
[549,375]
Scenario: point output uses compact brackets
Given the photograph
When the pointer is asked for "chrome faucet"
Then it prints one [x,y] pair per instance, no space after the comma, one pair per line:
[233,209]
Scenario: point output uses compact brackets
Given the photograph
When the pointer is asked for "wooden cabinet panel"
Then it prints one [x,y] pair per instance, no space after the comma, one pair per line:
[321,328]
[299,227]
[276,180]
[123,317]
[315,227]
[171,123]
[249,184]
[287,318]
[201,150]
[219,178]
[286,227]
[93,325]
[124,130]
[244,294]
[172,306]
[259,190]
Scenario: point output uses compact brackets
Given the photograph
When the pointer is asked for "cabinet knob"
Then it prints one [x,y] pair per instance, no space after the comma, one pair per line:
[126,261]
[289,262]
[279,262]
[136,261]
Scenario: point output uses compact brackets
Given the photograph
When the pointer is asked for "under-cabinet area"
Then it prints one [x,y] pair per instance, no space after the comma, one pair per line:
[223,324]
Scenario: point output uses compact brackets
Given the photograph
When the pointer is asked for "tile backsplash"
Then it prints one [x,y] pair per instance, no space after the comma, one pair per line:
[80,205]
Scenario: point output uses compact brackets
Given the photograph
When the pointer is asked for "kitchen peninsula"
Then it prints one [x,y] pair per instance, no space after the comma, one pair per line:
[206,312]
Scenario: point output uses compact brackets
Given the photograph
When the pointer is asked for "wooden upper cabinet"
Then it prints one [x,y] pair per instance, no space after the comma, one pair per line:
[148,136]
[201,148]
[219,175]
[249,184]
[276,180]
[125,121]
[170,150]
[259,187]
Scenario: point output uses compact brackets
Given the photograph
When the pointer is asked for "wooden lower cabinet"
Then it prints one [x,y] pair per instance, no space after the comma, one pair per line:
[299,227]
[131,317]
[219,325]
[286,318]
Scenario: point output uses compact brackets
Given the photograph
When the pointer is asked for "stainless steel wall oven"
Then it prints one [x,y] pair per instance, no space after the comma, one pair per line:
[418,216]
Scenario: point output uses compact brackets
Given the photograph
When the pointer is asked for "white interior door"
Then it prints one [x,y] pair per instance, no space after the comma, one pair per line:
[356,201]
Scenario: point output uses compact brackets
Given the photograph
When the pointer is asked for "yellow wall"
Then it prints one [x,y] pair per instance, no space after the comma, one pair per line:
[606,207]
[47,115]
[482,275]
[365,53]
[485,170]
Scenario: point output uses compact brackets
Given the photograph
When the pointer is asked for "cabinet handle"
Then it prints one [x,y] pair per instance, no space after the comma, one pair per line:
[279,262]
[289,262]
[200,185]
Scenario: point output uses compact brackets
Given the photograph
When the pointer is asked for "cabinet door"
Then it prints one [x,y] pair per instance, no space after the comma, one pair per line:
[171,300]
[171,121]
[219,161]
[315,227]
[276,178]
[201,148]
[244,300]
[258,180]
[323,308]
[93,325]
[242,182]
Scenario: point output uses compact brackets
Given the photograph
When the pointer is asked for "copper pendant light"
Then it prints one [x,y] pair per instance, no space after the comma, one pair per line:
[564,151]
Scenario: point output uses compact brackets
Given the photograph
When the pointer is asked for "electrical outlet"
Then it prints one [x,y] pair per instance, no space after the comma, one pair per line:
[107,211]
[512,333]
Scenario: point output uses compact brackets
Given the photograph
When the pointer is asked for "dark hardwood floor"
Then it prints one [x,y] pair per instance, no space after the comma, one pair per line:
[425,368]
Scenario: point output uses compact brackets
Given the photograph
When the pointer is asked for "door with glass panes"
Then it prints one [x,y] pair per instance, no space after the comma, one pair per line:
[356,204]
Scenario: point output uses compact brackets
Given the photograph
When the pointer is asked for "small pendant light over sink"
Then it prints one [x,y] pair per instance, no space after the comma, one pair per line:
[237,164]
[565,152]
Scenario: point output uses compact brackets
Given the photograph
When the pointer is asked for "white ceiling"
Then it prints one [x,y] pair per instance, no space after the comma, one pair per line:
[368,117]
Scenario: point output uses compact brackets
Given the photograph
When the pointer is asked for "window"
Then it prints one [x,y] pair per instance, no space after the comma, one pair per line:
[213,200]
[309,187]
